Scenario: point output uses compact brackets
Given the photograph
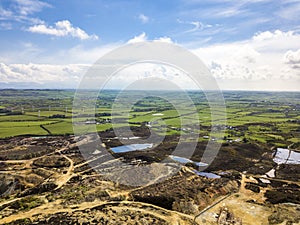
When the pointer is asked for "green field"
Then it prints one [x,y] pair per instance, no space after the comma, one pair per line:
[263,117]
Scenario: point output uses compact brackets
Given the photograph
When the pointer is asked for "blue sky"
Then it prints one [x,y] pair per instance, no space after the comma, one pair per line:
[48,43]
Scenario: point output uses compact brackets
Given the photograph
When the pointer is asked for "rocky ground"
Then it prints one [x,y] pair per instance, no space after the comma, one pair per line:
[48,181]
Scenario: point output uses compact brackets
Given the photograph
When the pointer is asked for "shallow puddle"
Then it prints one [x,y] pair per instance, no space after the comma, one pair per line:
[130,148]
[286,156]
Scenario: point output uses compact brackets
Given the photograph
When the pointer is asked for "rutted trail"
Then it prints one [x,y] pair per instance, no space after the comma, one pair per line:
[55,207]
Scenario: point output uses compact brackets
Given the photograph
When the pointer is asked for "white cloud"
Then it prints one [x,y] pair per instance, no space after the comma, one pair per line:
[69,75]
[267,61]
[150,76]
[143,37]
[61,29]
[258,59]
[292,57]
[268,35]
[164,39]
[277,41]
[42,73]
[140,38]
[26,7]
[143,18]
[197,25]
[22,10]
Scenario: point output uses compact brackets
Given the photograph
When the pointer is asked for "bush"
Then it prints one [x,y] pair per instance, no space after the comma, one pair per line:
[26,203]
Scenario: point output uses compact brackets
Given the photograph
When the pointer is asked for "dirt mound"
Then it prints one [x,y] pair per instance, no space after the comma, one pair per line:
[185,192]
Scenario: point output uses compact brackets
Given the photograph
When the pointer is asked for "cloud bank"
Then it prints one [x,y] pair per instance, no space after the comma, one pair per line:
[62,76]
[269,60]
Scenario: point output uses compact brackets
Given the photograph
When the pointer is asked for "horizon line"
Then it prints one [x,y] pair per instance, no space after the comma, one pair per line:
[116,89]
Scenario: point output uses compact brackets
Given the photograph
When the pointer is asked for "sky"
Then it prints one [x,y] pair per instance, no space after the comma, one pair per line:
[246,44]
